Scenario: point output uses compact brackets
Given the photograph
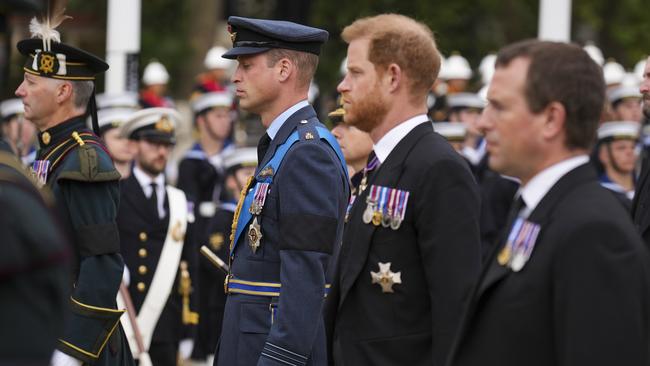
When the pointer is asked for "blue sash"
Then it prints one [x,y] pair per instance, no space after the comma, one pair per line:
[245,216]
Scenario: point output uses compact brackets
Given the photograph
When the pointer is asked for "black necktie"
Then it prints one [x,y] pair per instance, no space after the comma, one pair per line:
[262,146]
[153,200]
[516,207]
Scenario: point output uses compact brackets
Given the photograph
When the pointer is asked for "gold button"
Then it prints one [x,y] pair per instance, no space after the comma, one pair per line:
[141,286]
[142,253]
[143,236]
[142,270]
[45,137]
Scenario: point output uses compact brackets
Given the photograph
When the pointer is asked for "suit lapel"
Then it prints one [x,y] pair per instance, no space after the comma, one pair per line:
[358,235]
[283,133]
[541,215]
[132,193]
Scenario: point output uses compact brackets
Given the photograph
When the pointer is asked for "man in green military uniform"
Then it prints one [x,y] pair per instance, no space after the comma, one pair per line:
[33,270]
[72,161]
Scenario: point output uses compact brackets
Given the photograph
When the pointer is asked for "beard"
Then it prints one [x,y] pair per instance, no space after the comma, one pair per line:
[153,167]
[367,112]
[646,105]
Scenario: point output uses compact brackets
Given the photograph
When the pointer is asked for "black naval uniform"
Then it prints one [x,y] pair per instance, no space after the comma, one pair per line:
[582,298]
[143,234]
[435,249]
[213,298]
[641,203]
[34,270]
[84,182]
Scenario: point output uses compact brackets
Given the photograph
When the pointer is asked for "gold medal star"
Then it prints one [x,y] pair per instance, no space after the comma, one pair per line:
[386,278]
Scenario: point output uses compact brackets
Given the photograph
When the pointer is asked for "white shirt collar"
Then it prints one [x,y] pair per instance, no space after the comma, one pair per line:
[533,192]
[145,182]
[274,127]
[387,143]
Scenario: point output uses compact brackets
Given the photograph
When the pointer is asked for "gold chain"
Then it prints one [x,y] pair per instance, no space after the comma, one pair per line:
[242,196]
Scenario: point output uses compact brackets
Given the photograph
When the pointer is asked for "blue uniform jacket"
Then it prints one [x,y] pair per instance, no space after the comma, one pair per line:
[302,226]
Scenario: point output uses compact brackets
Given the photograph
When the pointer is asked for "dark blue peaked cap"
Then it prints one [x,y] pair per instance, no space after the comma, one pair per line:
[250,36]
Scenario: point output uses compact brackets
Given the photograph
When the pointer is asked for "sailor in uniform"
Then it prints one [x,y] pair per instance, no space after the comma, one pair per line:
[154,223]
[616,157]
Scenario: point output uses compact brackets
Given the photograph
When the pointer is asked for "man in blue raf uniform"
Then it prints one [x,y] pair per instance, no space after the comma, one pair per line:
[289,220]
[57,88]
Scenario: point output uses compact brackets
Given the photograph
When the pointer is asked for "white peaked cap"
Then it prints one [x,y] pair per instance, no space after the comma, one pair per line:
[10,107]
[213,59]
[211,100]
[595,53]
[246,156]
[155,73]
[486,68]
[455,67]
[613,72]
[619,130]
[453,131]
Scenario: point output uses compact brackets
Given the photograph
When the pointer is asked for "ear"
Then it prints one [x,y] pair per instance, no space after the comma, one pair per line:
[554,121]
[64,92]
[284,68]
[392,77]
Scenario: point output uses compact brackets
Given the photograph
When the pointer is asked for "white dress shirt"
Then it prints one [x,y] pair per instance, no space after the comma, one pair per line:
[535,190]
[386,144]
[274,127]
[145,182]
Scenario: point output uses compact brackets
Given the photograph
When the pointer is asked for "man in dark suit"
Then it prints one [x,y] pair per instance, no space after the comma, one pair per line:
[289,220]
[155,229]
[568,283]
[411,248]
[641,203]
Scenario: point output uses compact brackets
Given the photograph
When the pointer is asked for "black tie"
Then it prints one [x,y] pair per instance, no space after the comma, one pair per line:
[153,200]
[262,146]
[517,205]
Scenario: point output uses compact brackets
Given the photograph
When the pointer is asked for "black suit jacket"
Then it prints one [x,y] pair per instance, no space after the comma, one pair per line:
[581,299]
[436,249]
[641,204]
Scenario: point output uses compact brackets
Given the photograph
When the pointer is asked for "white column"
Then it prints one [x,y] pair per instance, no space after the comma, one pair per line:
[555,20]
[122,45]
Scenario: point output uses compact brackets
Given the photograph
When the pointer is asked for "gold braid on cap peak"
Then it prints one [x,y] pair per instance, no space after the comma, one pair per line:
[45,29]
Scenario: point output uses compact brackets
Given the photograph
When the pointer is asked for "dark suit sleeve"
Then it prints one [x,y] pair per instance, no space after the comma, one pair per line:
[311,191]
[93,317]
[600,300]
[447,221]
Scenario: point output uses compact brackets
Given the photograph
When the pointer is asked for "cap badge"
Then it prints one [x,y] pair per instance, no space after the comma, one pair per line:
[164,125]
[47,62]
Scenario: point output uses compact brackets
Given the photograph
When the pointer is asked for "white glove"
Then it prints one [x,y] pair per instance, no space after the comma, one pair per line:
[61,359]
[185,348]
[126,277]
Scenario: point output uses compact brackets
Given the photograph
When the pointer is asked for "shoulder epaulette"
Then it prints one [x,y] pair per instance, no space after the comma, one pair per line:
[92,164]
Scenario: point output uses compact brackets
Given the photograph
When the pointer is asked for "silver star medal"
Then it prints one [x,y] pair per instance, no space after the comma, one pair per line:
[386,278]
